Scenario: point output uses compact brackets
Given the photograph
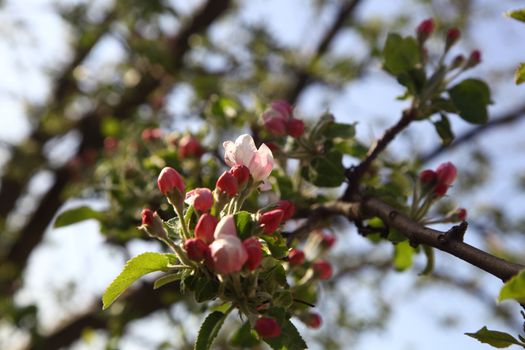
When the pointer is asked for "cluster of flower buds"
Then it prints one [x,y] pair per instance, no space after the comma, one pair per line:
[209,238]
[440,180]
[279,120]
[425,29]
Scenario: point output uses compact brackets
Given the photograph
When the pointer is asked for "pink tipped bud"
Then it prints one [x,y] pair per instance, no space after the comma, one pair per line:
[190,147]
[271,220]
[228,254]
[441,189]
[147,216]
[475,58]
[151,134]
[169,180]
[453,35]
[296,257]
[274,124]
[287,207]
[446,173]
[254,249]
[328,240]
[152,224]
[227,183]
[200,198]
[461,214]
[295,127]
[425,29]
[206,227]
[427,177]
[313,320]
[458,61]
[267,327]
[196,249]
[241,173]
[322,269]
[282,107]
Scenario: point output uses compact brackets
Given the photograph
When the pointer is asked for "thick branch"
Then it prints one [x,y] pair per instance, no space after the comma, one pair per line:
[506,119]
[445,241]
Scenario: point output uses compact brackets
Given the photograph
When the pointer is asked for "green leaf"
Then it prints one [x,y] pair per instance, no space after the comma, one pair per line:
[471,97]
[444,130]
[326,170]
[276,245]
[206,289]
[244,224]
[245,337]
[519,75]
[172,277]
[517,14]
[209,330]
[496,339]
[75,215]
[289,339]
[414,80]
[514,288]
[400,54]
[134,269]
[345,131]
[403,256]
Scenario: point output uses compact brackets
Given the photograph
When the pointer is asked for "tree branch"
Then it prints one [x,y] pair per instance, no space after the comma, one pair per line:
[354,174]
[475,132]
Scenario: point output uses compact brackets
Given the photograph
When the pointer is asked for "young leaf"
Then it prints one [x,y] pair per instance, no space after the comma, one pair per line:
[471,97]
[514,288]
[341,130]
[444,130]
[496,339]
[519,76]
[400,54]
[245,337]
[517,14]
[326,170]
[135,268]
[162,281]
[75,215]
[244,224]
[209,330]
[403,256]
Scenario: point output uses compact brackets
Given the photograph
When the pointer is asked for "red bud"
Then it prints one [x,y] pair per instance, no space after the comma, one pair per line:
[313,320]
[190,146]
[424,29]
[446,173]
[296,257]
[267,327]
[287,207]
[206,227]
[271,220]
[227,183]
[241,173]
[254,250]
[427,177]
[322,269]
[453,35]
[169,179]
[196,249]
[295,127]
[462,214]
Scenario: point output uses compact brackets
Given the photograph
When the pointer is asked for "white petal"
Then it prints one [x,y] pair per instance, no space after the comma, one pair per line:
[245,149]
[225,227]
[229,153]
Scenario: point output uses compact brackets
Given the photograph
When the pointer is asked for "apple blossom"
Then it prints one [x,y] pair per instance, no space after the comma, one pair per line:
[228,254]
[200,198]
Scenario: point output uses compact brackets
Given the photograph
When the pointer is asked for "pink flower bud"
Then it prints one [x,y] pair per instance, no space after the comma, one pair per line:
[241,173]
[190,146]
[446,173]
[328,240]
[313,320]
[267,327]
[287,207]
[296,257]
[196,249]
[475,58]
[169,180]
[427,177]
[147,216]
[152,224]
[461,214]
[225,227]
[274,123]
[322,269]
[151,134]
[295,127]
[453,35]
[227,183]
[206,227]
[200,198]
[254,249]
[271,220]
[282,107]
[424,29]
[441,189]
[228,254]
